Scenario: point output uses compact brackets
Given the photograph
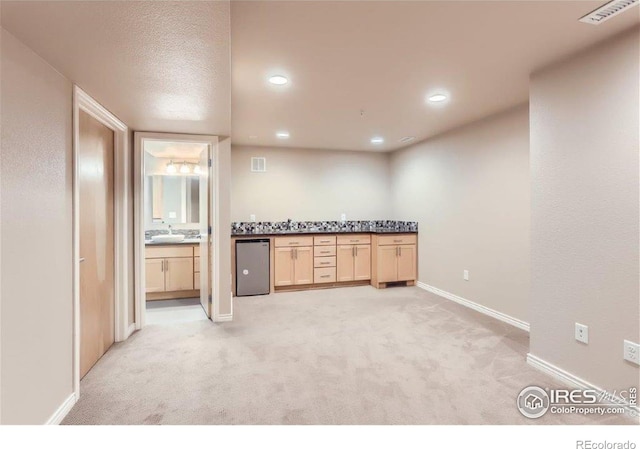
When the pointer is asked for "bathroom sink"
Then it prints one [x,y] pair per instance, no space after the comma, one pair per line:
[167,238]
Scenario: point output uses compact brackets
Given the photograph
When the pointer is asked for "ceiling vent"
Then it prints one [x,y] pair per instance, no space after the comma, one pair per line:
[407,139]
[608,10]
[258,164]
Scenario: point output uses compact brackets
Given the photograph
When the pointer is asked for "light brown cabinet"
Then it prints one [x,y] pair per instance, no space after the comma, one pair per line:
[353,263]
[395,259]
[170,269]
[293,265]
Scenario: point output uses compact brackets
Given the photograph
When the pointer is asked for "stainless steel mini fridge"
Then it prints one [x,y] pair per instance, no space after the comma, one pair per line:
[252,267]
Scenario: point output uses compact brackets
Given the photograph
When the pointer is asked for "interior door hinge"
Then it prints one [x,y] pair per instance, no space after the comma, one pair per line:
[210,163]
[210,300]
[209,230]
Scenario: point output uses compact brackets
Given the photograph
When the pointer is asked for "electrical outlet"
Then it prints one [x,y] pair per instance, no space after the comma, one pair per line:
[343,217]
[465,275]
[632,352]
[252,217]
[582,333]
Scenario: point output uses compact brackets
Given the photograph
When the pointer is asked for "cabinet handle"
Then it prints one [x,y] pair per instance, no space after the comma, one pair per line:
[296,253]
[293,243]
[354,241]
[162,266]
[400,251]
[325,276]
[167,265]
[396,251]
[356,248]
[397,241]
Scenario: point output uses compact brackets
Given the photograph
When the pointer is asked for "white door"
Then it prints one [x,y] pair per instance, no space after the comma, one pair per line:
[205,237]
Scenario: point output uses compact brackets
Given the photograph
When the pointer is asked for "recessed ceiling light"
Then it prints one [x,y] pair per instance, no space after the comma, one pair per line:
[278,80]
[377,140]
[282,134]
[437,98]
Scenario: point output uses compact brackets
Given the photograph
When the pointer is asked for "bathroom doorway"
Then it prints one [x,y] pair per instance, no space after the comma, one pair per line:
[175,210]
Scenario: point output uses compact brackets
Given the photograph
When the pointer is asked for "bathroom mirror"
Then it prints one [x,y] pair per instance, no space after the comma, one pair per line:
[172,199]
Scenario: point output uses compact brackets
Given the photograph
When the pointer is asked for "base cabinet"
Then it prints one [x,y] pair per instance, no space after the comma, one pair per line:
[170,270]
[395,259]
[293,266]
[353,263]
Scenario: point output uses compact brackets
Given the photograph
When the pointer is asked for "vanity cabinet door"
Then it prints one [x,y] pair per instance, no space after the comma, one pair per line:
[179,274]
[406,262]
[387,263]
[362,263]
[345,263]
[283,266]
[303,265]
[154,275]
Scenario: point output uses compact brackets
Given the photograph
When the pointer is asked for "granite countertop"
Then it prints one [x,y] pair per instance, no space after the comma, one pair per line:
[184,242]
[320,231]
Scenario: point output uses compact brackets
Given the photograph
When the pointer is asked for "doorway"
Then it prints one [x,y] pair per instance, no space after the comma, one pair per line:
[102,312]
[174,211]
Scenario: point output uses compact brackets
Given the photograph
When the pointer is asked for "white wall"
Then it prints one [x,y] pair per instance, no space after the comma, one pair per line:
[304,184]
[469,191]
[36,269]
[585,219]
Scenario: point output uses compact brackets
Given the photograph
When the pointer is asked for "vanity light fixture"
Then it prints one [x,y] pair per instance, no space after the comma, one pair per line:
[437,98]
[377,140]
[171,168]
[197,170]
[278,80]
[282,134]
[184,168]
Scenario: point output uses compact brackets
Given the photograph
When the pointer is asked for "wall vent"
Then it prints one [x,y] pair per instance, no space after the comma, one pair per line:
[608,10]
[258,164]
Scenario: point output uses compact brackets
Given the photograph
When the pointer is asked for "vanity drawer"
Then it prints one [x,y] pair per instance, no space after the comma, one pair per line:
[354,239]
[321,251]
[324,240]
[320,262]
[402,239]
[324,275]
[162,252]
[293,241]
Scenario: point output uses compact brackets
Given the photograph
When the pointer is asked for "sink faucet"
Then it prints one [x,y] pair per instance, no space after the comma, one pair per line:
[170,230]
[289,224]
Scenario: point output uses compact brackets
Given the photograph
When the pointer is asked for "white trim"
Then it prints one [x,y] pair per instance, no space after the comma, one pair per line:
[475,306]
[63,410]
[574,381]
[122,174]
[223,318]
[138,215]
[131,330]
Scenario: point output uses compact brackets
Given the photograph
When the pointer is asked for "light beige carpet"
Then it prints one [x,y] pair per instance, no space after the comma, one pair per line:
[340,356]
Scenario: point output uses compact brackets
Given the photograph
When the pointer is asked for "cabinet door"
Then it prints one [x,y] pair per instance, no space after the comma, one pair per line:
[303,265]
[407,262]
[179,274]
[154,275]
[344,263]
[283,266]
[362,263]
[387,263]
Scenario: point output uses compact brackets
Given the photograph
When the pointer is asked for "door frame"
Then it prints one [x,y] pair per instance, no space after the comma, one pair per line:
[138,212]
[122,189]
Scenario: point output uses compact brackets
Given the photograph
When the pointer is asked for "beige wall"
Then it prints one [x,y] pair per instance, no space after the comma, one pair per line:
[36,205]
[304,184]
[469,191]
[584,165]
[223,255]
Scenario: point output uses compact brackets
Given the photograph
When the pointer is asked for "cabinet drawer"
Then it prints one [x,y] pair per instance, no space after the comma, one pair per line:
[324,240]
[320,262]
[323,275]
[404,239]
[163,252]
[293,241]
[320,251]
[354,239]
[196,264]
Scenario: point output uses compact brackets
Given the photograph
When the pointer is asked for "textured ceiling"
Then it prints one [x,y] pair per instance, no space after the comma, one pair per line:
[384,58]
[159,66]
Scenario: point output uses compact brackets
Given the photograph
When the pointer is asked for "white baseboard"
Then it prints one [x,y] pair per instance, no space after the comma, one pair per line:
[574,381]
[223,318]
[63,410]
[475,306]
[130,330]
